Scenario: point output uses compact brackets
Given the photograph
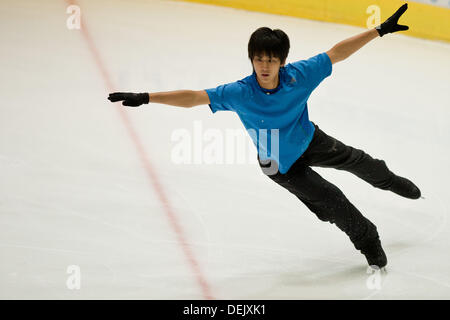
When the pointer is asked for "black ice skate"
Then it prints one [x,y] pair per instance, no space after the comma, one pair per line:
[404,188]
[375,254]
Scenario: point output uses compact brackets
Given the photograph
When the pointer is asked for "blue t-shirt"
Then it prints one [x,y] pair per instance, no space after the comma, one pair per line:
[262,111]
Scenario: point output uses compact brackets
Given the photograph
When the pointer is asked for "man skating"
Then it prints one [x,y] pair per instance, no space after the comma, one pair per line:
[275,97]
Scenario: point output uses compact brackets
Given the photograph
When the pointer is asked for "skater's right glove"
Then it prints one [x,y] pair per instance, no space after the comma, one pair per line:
[130,99]
[391,24]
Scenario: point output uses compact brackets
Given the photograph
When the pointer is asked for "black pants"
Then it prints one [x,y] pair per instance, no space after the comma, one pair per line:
[325,199]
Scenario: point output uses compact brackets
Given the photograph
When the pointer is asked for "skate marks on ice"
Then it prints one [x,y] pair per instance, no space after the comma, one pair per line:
[273,273]
[428,222]
[403,269]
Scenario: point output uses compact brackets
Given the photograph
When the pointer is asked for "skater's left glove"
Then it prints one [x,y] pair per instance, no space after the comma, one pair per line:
[391,25]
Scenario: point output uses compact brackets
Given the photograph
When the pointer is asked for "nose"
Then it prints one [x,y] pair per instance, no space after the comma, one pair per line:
[265,67]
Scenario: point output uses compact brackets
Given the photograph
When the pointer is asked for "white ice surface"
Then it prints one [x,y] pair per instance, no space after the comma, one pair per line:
[73,190]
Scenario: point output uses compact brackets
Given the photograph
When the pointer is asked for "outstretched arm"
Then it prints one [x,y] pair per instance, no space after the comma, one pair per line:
[179,98]
[346,48]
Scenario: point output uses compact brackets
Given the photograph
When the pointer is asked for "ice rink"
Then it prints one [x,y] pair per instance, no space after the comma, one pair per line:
[92,184]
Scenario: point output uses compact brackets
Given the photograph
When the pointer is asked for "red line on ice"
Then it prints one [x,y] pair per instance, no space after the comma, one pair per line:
[151,174]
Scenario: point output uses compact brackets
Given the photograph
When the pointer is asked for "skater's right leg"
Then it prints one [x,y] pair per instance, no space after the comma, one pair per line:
[329,204]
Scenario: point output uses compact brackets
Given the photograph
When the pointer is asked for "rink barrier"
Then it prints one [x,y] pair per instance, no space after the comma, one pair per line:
[424,20]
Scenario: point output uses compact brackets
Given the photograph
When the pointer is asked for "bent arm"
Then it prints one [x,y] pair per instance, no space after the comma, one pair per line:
[180,98]
[347,47]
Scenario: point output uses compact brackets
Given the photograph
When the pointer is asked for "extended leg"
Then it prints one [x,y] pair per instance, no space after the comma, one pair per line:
[326,151]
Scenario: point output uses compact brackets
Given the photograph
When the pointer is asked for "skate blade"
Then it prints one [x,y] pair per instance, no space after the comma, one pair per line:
[375,268]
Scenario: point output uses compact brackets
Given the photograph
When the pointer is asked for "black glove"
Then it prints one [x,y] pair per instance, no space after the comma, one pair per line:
[130,99]
[390,25]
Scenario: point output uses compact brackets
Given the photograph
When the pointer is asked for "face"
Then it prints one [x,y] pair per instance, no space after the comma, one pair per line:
[267,69]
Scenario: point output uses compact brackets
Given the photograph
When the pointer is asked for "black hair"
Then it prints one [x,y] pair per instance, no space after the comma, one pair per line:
[274,43]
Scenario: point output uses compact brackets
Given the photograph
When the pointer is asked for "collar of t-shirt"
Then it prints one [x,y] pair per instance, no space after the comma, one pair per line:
[269,91]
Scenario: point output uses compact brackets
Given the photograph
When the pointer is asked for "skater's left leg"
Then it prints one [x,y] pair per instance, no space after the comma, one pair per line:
[326,151]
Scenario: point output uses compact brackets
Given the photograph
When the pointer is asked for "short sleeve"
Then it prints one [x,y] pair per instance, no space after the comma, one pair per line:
[314,70]
[225,97]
